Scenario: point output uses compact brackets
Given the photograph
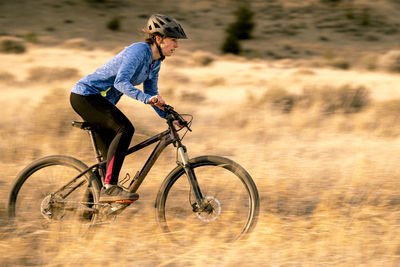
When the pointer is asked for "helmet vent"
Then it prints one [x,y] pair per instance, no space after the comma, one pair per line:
[157,26]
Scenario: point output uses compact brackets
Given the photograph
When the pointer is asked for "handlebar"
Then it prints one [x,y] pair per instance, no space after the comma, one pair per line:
[173,115]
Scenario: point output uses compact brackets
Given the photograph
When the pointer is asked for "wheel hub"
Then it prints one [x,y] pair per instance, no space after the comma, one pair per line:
[50,209]
[210,211]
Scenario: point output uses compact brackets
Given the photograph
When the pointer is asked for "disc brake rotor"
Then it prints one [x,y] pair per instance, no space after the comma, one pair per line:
[210,211]
[51,209]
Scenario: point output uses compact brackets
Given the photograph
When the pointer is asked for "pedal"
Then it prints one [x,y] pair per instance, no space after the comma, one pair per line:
[117,208]
[125,201]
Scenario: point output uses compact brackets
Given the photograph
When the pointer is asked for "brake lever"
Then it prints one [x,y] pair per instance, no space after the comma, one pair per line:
[169,109]
[185,124]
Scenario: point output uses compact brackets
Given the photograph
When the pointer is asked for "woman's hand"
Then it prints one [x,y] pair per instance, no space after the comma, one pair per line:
[157,100]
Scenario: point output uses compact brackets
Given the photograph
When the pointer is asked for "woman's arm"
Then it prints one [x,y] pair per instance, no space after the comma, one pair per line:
[132,61]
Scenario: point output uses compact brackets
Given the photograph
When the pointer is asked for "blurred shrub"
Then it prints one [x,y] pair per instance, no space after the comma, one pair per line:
[369,61]
[114,24]
[345,99]
[215,81]
[192,97]
[76,43]
[391,61]
[336,62]
[231,45]
[365,18]
[10,45]
[31,37]
[53,115]
[244,25]
[389,109]
[6,77]
[386,118]
[327,100]
[280,99]
[47,74]
[239,30]
[331,2]
[202,58]
[340,63]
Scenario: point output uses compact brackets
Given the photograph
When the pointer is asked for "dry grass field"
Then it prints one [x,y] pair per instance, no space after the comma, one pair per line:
[318,132]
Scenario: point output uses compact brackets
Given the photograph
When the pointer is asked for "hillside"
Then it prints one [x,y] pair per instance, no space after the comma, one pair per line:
[284,29]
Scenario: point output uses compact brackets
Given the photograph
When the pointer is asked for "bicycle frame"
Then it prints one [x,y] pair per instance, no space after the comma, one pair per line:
[164,139]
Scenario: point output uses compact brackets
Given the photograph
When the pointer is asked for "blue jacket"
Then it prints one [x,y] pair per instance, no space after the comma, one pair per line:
[120,75]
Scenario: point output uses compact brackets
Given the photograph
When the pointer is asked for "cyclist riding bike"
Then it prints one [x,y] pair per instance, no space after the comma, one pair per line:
[94,97]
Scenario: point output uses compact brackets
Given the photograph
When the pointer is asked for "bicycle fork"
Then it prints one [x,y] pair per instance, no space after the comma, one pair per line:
[191,178]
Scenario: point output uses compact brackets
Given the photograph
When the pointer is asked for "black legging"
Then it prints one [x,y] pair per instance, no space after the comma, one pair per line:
[113,130]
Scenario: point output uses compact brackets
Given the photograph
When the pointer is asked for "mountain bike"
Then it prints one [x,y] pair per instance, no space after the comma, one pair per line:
[209,196]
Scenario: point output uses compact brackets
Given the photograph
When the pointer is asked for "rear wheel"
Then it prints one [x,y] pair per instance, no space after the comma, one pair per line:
[230,202]
[46,192]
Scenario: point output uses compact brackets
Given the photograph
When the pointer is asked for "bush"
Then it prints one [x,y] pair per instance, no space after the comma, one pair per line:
[202,58]
[340,63]
[12,45]
[391,61]
[231,45]
[345,99]
[331,2]
[386,118]
[244,25]
[239,30]
[280,99]
[365,19]
[48,74]
[114,24]
[31,37]
[327,100]
[53,119]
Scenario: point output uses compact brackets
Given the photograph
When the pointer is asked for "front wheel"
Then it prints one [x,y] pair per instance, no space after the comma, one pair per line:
[230,202]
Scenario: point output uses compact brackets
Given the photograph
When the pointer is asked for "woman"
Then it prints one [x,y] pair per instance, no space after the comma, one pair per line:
[94,97]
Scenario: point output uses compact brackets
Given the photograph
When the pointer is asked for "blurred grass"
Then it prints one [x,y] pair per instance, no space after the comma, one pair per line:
[324,160]
[328,196]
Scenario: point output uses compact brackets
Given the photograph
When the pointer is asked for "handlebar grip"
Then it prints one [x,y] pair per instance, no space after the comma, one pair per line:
[176,116]
[153,100]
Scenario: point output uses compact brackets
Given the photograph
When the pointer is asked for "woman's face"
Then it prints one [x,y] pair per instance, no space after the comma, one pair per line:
[169,45]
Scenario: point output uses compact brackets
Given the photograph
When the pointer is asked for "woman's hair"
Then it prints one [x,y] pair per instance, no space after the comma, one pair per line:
[150,38]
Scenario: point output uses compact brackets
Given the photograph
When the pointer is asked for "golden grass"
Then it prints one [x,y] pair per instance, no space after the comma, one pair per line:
[328,182]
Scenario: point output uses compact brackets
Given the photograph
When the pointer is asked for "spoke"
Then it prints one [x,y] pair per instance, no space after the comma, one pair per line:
[226,212]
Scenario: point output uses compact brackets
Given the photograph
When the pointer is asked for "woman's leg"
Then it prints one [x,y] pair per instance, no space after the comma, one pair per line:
[112,126]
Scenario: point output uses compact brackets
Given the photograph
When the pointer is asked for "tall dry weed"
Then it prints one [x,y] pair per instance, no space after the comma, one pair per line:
[386,118]
[391,61]
[48,74]
[12,45]
[328,100]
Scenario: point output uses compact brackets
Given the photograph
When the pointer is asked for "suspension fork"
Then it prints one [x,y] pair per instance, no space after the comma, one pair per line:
[190,174]
[182,151]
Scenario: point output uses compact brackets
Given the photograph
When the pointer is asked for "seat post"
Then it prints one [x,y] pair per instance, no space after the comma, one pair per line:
[94,144]
[86,126]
